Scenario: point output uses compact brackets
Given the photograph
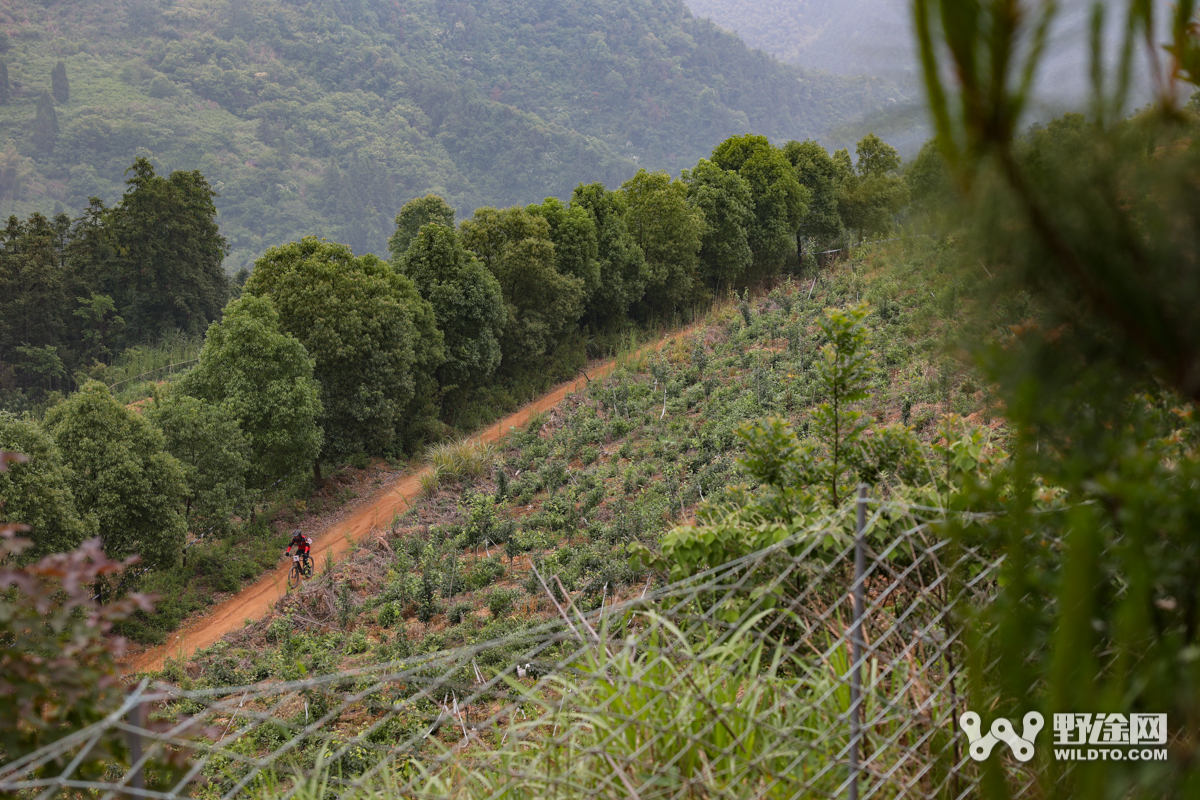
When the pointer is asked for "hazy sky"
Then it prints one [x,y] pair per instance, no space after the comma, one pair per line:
[875,37]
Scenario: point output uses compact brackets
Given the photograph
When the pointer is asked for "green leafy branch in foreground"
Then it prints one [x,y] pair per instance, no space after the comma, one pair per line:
[1086,326]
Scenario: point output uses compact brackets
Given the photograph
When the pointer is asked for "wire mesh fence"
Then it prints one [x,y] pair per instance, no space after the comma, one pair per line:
[828,665]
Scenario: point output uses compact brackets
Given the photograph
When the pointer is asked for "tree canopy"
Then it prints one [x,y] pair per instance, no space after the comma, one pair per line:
[372,337]
[263,379]
[780,201]
[214,452]
[466,300]
[125,482]
[621,262]
[38,492]
[168,271]
[818,173]
[870,194]
[728,206]
[669,230]
[414,215]
[542,305]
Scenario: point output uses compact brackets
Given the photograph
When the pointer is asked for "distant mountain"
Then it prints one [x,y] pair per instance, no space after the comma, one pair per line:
[326,116]
[875,37]
[846,37]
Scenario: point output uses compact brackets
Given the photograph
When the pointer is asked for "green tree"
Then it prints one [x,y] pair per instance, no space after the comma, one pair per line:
[374,340]
[844,370]
[414,215]
[123,479]
[263,379]
[541,304]
[42,366]
[213,451]
[467,303]
[930,187]
[780,202]
[35,300]
[670,231]
[37,492]
[45,124]
[168,252]
[60,87]
[872,194]
[622,264]
[101,325]
[724,198]
[576,247]
[818,173]
[5,90]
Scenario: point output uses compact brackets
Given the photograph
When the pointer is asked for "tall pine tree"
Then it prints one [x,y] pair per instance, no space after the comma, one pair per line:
[59,84]
[168,252]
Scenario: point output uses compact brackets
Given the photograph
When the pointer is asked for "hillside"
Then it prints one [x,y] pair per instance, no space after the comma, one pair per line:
[326,117]
[615,466]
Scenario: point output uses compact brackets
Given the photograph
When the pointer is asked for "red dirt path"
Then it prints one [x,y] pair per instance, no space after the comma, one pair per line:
[389,500]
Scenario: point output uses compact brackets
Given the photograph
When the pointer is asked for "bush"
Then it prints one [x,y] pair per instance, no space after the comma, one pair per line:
[484,573]
[357,643]
[500,601]
[162,86]
[465,458]
[458,612]
[60,668]
[388,614]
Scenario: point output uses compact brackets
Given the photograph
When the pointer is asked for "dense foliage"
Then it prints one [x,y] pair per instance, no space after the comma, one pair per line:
[37,492]
[373,339]
[327,117]
[263,379]
[73,294]
[1083,317]
[58,663]
[130,487]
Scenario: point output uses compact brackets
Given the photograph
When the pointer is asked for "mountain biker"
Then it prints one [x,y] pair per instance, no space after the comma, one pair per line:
[302,543]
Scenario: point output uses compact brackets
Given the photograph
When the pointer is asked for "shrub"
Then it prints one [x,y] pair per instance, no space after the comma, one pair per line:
[388,614]
[500,601]
[484,573]
[60,669]
[458,612]
[465,458]
[357,643]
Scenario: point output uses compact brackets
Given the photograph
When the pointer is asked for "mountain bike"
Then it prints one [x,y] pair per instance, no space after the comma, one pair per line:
[301,568]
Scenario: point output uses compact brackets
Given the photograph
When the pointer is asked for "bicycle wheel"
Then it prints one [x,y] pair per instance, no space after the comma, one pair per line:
[294,576]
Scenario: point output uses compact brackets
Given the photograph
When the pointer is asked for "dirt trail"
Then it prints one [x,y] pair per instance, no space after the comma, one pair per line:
[394,498]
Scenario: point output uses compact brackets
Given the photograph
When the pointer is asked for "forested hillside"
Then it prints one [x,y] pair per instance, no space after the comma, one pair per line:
[326,117]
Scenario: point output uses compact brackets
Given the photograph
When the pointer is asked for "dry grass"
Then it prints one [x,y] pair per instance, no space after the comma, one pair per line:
[465,458]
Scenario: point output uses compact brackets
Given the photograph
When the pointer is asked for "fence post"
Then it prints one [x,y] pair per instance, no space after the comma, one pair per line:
[137,779]
[856,638]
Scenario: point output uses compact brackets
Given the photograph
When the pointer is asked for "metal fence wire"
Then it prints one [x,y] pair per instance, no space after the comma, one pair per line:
[826,666]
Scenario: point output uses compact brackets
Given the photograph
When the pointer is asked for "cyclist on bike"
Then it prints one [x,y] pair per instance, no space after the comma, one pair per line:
[302,543]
